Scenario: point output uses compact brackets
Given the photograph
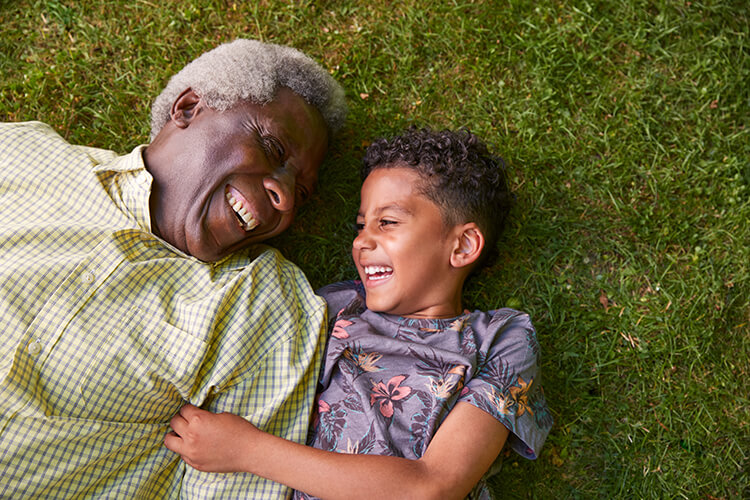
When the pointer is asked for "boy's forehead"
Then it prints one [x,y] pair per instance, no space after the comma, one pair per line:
[394,190]
[386,186]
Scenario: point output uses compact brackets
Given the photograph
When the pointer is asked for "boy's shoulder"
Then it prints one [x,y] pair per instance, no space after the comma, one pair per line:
[343,295]
[505,329]
[501,319]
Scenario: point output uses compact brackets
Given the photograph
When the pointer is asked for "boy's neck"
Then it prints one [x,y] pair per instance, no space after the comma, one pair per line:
[449,308]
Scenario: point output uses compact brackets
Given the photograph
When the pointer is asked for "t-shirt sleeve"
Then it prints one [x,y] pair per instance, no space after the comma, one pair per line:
[344,296]
[507,384]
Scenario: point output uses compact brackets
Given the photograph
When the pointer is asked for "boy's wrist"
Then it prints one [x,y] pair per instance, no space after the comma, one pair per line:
[250,449]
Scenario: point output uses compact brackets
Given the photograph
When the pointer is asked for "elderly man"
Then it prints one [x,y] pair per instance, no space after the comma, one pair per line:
[131,284]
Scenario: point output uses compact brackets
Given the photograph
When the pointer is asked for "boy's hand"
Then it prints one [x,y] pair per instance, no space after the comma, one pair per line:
[210,442]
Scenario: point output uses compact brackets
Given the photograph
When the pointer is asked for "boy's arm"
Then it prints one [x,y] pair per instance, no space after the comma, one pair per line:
[463,448]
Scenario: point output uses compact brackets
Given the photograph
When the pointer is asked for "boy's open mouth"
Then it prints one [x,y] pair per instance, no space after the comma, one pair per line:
[375,273]
[240,207]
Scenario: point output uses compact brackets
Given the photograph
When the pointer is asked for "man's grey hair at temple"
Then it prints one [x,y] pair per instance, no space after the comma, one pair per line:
[252,70]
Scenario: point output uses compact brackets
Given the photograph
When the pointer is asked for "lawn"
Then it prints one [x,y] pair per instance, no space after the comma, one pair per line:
[625,126]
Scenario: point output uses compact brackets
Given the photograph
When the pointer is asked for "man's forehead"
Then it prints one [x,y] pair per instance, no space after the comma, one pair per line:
[296,119]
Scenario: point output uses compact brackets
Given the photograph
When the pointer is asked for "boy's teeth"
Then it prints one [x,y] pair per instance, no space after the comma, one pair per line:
[370,270]
[249,222]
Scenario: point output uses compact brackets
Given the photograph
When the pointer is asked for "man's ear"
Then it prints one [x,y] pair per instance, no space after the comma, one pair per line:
[184,108]
[468,246]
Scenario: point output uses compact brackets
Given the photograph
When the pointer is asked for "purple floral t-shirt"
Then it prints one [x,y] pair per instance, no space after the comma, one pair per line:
[388,382]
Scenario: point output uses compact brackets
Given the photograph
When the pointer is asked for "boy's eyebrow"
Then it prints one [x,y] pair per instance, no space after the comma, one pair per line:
[395,207]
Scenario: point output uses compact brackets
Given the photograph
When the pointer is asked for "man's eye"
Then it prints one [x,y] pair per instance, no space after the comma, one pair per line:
[273,148]
[302,193]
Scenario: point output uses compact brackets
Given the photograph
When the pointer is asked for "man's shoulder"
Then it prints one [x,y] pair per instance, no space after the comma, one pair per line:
[273,278]
[27,130]
[258,255]
[32,125]
[36,135]
[266,266]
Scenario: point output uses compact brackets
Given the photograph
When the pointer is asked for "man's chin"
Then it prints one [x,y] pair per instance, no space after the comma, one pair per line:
[208,254]
[219,252]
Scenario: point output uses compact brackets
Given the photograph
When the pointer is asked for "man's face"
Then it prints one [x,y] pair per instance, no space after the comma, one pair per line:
[237,177]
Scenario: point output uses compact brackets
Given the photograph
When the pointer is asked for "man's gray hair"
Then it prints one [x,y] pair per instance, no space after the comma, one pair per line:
[252,70]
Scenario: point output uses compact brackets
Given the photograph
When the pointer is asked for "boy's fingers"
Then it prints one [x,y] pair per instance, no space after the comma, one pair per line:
[173,442]
[177,422]
[186,408]
[189,410]
[180,420]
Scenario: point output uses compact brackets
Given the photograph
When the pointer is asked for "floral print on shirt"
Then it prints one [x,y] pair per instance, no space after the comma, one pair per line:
[389,382]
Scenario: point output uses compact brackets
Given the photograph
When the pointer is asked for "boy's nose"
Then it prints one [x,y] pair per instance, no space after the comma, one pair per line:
[362,241]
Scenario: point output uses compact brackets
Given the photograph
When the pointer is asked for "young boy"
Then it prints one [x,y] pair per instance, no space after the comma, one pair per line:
[417,396]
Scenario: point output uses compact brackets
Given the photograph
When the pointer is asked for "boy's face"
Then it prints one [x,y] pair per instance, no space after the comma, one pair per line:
[402,250]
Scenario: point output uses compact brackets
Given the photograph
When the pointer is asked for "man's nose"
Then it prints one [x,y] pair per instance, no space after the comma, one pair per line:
[281,192]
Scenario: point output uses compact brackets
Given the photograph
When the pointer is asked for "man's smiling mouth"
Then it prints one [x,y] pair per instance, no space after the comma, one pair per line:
[241,210]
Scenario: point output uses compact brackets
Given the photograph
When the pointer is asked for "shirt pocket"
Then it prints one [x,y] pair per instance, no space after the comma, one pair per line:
[143,373]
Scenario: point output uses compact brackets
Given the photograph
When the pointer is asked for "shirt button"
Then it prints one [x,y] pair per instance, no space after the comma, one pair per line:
[34,348]
[87,277]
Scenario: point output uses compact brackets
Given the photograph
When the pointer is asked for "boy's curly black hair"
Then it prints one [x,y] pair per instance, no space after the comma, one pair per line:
[465,180]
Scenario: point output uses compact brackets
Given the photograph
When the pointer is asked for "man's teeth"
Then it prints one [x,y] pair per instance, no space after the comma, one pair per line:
[378,272]
[249,222]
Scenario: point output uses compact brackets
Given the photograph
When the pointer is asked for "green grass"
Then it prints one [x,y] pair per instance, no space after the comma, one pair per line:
[625,126]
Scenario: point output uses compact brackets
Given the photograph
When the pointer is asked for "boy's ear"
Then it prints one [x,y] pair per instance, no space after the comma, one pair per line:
[469,245]
[184,108]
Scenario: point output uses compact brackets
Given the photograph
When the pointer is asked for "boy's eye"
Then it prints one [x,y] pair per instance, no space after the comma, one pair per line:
[359,226]
[387,222]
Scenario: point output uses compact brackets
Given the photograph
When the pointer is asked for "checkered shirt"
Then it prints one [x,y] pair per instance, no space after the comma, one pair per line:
[106,331]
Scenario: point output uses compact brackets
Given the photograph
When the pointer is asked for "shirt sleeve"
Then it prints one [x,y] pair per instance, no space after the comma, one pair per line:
[507,384]
[266,370]
[344,296]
